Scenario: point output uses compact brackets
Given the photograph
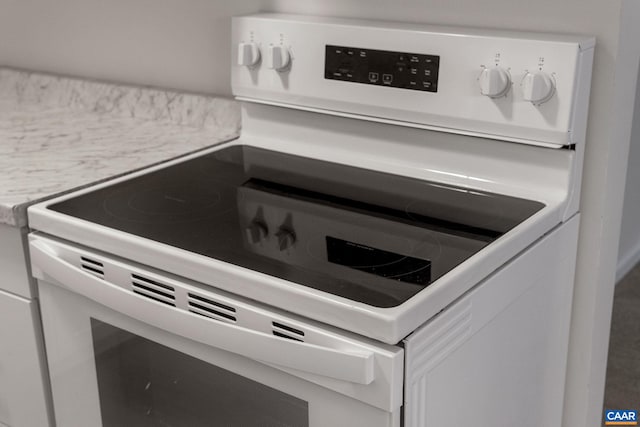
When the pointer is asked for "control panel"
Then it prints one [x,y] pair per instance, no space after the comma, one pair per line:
[382,68]
[522,87]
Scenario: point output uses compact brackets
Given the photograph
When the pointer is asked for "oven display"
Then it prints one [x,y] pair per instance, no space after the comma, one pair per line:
[382,68]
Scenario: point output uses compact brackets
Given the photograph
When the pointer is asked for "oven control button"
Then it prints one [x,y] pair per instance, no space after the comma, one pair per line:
[494,82]
[538,87]
[286,238]
[278,58]
[257,231]
[248,54]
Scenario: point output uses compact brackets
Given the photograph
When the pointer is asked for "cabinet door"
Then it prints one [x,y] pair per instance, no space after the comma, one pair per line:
[23,388]
[14,276]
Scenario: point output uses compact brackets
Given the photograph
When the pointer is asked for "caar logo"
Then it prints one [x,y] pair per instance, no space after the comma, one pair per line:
[620,418]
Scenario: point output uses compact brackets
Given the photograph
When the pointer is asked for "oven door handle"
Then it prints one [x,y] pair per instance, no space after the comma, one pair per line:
[354,365]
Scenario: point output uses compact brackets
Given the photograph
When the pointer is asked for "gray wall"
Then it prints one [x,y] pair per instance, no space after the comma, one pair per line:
[183,44]
[629,253]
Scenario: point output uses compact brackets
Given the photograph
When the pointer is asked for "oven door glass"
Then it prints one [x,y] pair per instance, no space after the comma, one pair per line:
[142,383]
[109,368]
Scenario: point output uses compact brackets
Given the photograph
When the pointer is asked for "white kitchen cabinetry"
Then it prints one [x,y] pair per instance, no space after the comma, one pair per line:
[23,386]
[23,402]
[14,277]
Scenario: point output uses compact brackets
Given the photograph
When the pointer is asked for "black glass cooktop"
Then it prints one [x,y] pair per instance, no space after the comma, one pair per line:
[368,236]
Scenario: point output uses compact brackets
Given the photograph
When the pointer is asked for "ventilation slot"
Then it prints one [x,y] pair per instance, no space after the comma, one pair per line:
[92,266]
[285,331]
[210,308]
[153,289]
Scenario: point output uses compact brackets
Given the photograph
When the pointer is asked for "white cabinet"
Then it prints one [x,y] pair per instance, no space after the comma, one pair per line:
[14,277]
[23,398]
[23,384]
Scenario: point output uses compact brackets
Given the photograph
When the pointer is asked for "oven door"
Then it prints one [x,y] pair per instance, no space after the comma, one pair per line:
[129,346]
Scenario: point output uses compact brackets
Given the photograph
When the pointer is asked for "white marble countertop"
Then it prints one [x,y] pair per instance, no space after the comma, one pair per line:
[59,134]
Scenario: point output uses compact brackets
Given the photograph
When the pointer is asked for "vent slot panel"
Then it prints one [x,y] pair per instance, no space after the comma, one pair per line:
[153,289]
[210,308]
[285,331]
[92,266]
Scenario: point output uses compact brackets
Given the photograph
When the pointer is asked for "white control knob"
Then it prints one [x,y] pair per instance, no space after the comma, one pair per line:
[538,87]
[278,58]
[494,82]
[248,54]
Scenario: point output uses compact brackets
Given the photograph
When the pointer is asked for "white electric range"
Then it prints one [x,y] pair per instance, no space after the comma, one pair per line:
[391,241]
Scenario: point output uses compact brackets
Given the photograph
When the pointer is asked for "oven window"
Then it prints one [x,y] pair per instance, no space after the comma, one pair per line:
[142,383]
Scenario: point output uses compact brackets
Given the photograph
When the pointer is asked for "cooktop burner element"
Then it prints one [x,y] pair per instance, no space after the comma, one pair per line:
[164,204]
[368,236]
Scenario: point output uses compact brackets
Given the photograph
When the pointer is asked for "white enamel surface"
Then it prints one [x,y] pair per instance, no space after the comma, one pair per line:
[336,360]
[70,352]
[501,349]
[458,105]
[535,173]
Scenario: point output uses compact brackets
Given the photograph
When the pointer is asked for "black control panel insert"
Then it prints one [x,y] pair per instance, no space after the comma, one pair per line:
[382,68]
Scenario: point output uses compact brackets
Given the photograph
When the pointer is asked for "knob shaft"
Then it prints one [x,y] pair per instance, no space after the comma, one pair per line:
[538,87]
[494,82]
